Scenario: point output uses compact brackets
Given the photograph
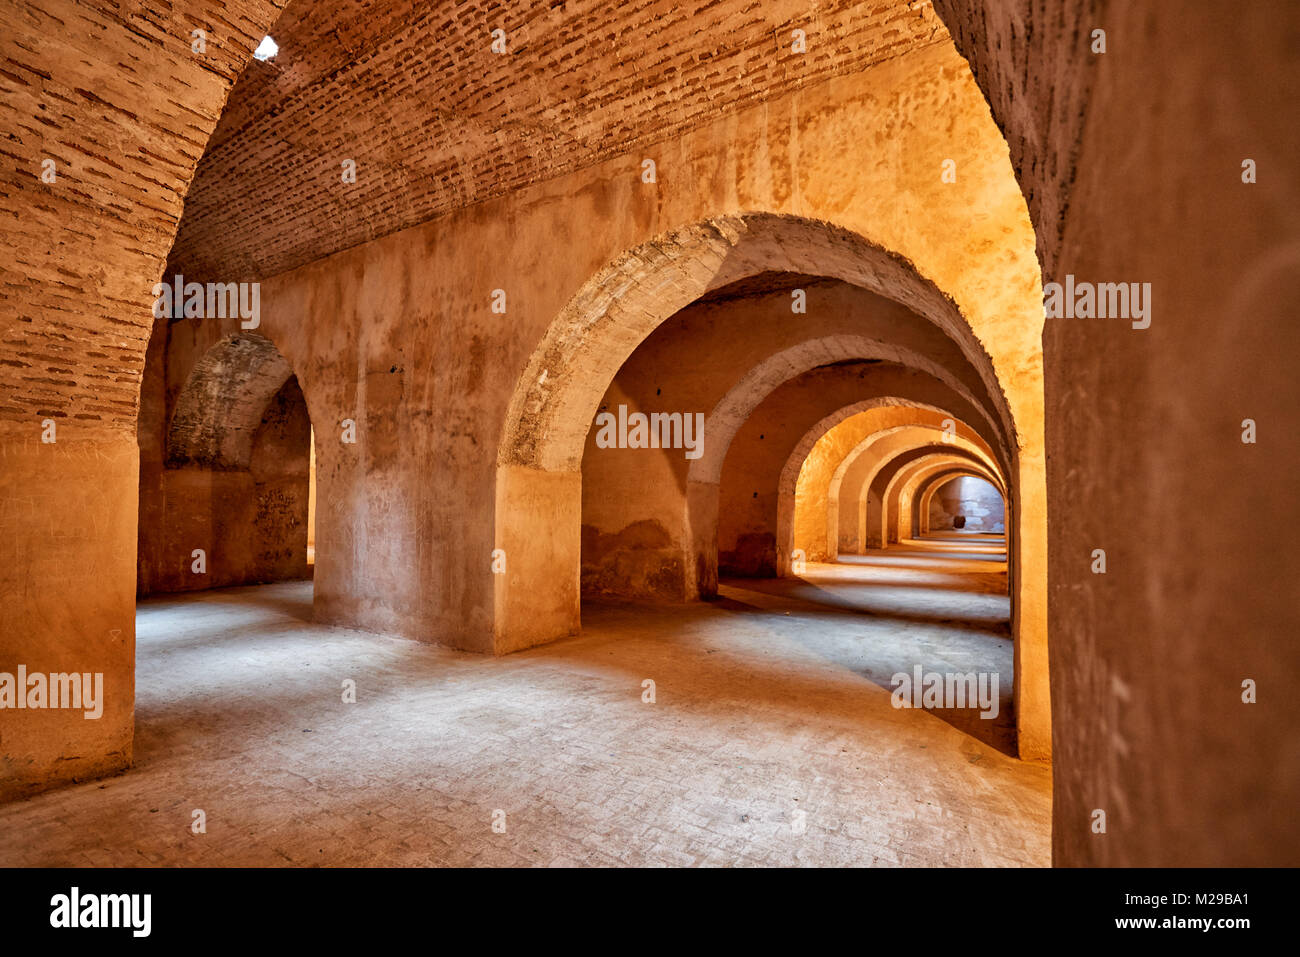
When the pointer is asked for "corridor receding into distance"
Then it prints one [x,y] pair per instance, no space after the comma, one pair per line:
[654,432]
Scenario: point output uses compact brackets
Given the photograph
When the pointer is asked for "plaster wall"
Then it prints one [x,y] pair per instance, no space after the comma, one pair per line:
[1149,659]
[377,333]
[81,256]
[815,522]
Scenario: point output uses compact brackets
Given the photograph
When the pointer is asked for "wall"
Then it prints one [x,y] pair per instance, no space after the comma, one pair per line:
[757,491]
[862,487]
[378,334]
[251,523]
[815,503]
[1145,430]
[224,462]
[311,497]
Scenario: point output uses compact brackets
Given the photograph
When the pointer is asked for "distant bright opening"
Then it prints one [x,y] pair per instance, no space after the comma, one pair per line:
[266,49]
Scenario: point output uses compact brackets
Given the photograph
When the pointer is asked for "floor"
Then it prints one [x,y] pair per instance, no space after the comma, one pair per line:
[771,739]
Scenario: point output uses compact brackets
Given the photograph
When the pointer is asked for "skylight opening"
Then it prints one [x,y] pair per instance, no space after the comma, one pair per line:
[266,49]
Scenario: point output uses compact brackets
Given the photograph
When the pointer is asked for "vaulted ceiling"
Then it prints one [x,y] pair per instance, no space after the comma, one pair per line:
[435,121]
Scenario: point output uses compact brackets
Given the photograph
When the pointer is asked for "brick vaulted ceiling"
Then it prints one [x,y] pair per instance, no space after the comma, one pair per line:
[435,121]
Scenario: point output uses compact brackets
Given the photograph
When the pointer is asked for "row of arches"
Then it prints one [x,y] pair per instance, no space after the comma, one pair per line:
[890,352]
[824,431]
[471,428]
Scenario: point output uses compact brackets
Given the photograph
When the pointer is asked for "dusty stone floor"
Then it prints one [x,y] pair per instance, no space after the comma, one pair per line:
[769,702]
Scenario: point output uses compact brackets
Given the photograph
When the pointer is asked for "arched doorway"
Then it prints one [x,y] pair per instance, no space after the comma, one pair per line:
[227,498]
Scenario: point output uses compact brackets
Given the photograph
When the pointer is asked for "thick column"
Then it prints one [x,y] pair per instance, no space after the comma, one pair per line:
[539,515]
[67,599]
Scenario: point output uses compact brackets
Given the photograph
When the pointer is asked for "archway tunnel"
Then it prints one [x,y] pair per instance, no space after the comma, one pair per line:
[692,402]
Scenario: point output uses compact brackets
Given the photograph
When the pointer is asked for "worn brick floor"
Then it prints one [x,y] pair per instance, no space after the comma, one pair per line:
[769,702]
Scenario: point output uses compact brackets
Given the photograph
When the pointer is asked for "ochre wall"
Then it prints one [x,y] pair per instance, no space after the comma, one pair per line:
[859,499]
[815,519]
[251,523]
[1132,161]
[1131,166]
[756,511]
[379,335]
[246,509]
[398,335]
[909,491]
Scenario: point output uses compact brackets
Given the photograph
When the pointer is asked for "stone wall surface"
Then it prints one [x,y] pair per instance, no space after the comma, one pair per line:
[639,538]
[1141,151]
[399,335]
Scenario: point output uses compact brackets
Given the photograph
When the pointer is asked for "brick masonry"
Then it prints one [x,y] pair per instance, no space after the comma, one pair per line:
[436,121]
[116,98]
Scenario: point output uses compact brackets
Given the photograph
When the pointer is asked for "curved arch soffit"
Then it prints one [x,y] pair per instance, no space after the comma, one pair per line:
[936,449]
[930,487]
[734,409]
[926,486]
[934,463]
[910,475]
[875,439]
[219,409]
[552,407]
[790,472]
[916,490]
